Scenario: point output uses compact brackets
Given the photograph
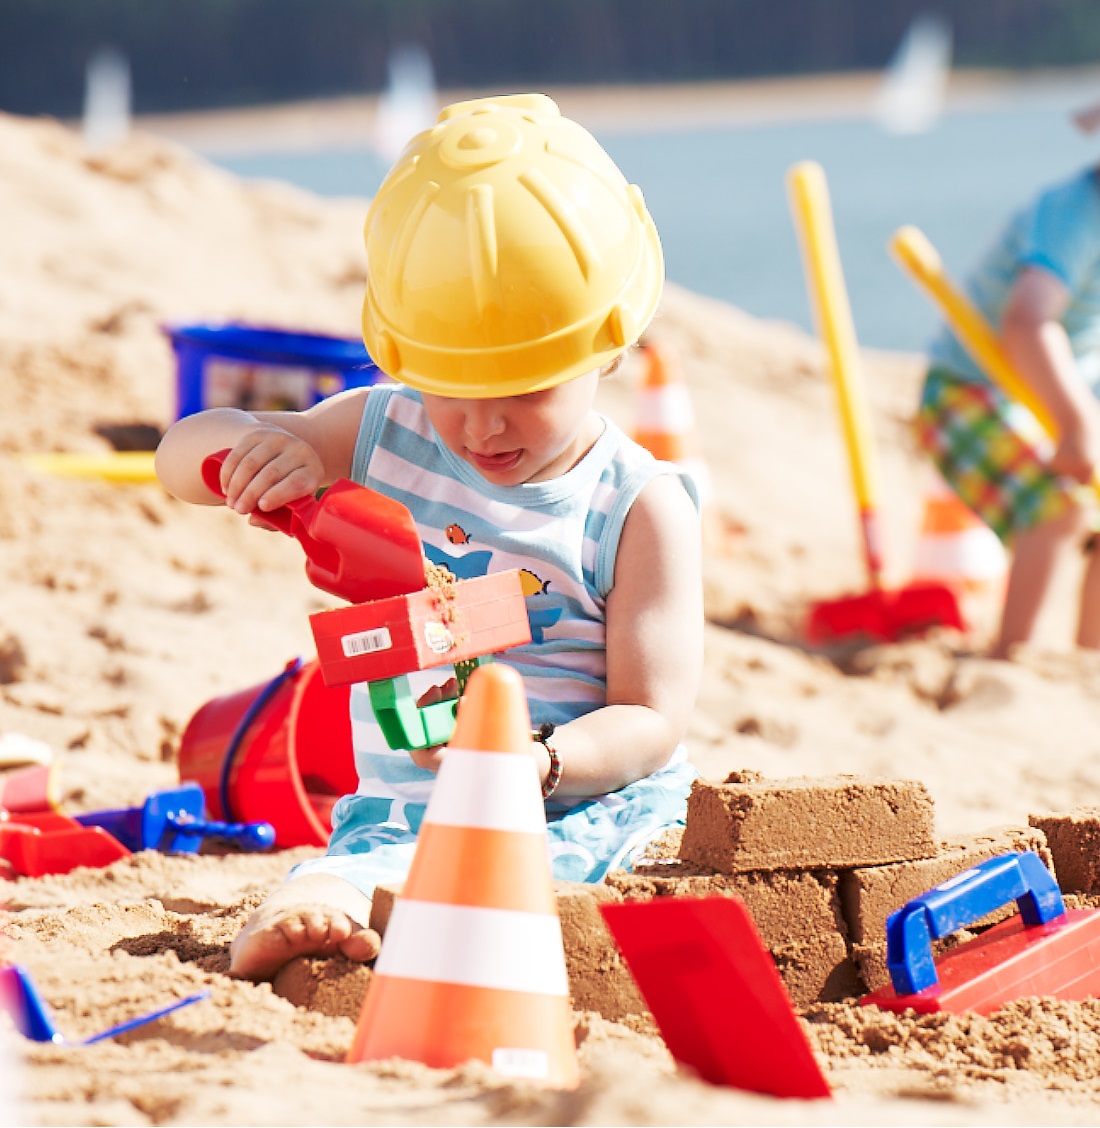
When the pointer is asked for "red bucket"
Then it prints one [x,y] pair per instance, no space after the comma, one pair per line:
[279,752]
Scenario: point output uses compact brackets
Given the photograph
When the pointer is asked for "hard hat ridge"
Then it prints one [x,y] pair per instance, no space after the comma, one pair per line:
[507,253]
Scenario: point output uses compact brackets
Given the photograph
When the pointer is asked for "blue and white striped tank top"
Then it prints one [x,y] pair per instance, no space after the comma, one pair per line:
[563,534]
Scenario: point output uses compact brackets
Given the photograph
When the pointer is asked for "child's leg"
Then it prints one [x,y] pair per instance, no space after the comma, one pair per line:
[1088,623]
[1036,554]
[317,914]
[602,834]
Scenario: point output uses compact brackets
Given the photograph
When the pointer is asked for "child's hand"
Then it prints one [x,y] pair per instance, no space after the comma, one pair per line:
[431,758]
[269,468]
[1078,452]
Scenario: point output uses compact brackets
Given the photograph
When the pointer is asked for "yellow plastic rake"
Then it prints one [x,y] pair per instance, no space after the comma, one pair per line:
[132,467]
[913,251]
[880,613]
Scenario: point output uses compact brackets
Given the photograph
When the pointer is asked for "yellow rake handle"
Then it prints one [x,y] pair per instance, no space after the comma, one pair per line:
[123,466]
[912,249]
[809,197]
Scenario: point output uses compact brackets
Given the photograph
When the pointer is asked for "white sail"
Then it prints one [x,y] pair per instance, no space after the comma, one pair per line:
[408,104]
[911,96]
[106,99]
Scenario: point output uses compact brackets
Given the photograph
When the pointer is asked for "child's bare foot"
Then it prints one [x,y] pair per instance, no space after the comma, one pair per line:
[314,915]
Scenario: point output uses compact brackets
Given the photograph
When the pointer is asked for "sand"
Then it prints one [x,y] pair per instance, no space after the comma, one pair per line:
[122,612]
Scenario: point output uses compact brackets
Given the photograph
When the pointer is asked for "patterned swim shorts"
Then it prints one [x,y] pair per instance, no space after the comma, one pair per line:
[994,453]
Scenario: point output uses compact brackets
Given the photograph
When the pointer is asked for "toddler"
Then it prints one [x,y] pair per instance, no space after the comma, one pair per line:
[510,266]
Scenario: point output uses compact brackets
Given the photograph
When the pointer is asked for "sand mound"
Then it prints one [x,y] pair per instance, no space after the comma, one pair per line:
[123,612]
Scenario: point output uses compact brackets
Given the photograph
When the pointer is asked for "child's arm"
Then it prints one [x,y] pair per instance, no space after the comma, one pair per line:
[654,650]
[1037,343]
[275,456]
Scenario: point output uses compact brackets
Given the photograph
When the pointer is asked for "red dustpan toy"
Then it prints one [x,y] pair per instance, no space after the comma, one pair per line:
[359,544]
[715,993]
[880,613]
[1043,950]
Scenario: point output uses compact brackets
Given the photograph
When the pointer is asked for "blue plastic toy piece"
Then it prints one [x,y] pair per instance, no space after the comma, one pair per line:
[965,898]
[172,821]
[32,1017]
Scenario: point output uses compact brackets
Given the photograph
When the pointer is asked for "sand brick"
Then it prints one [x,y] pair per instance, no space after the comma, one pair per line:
[785,907]
[797,915]
[385,896]
[599,979]
[870,959]
[1074,841]
[748,823]
[820,971]
[869,895]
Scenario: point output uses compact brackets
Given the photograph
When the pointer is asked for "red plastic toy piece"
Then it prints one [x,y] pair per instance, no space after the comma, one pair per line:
[1043,950]
[715,993]
[57,845]
[419,631]
[1011,961]
[359,544]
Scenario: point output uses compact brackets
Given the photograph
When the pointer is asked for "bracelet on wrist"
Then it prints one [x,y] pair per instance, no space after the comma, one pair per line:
[543,734]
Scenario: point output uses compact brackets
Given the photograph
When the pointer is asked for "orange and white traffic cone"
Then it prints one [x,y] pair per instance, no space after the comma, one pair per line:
[665,426]
[957,548]
[665,418]
[473,965]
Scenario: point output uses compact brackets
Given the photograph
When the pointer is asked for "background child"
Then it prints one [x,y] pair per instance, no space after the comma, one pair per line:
[510,265]
[1040,285]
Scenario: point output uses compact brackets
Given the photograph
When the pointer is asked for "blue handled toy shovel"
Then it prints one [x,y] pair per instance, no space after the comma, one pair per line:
[1044,950]
[32,1017]
[172,820]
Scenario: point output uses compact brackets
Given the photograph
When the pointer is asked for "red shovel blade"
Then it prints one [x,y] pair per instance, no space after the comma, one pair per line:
[34,852]
[359,544]
[715,993]
[886,615]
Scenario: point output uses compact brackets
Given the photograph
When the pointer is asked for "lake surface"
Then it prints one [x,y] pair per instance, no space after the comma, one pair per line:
[718,196]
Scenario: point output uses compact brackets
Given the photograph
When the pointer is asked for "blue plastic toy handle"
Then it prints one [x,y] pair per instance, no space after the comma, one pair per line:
[249,836]
[143,1020]
[31,1016]
[965,898]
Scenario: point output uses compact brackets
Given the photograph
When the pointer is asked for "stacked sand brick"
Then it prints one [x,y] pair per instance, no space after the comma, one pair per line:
[820,864]
[868,845]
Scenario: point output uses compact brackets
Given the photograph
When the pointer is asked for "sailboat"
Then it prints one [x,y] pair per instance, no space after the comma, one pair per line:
[911,96]
[408,104]
[106,117]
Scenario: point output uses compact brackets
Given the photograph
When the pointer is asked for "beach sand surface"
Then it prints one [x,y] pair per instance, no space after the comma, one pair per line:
[123,612]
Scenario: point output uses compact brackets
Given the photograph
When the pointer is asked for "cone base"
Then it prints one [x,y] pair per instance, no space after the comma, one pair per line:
[443,1025]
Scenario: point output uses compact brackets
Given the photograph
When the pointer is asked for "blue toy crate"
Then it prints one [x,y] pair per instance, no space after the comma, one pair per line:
[260,369]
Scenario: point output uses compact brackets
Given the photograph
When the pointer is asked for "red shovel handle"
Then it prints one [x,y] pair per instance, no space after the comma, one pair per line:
[290,518]
[359,544]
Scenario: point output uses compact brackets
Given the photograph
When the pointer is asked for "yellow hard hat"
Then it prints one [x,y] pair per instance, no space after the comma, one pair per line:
[506,253]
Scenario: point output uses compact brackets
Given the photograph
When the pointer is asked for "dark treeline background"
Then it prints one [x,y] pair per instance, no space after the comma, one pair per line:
[191,54]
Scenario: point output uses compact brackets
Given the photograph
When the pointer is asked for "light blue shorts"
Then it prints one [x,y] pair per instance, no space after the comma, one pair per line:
[585,842]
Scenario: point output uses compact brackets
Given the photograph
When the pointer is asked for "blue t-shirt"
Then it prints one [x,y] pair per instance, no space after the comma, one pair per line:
[1059,231]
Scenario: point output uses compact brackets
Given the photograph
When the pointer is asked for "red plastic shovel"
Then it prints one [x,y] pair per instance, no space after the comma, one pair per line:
[359,544]
[47,842]
[714,991]
[879,613]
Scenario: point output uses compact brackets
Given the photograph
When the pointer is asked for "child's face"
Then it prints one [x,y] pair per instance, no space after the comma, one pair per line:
[516,439]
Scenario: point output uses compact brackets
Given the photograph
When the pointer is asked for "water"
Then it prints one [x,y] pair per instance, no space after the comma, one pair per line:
[718,196]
